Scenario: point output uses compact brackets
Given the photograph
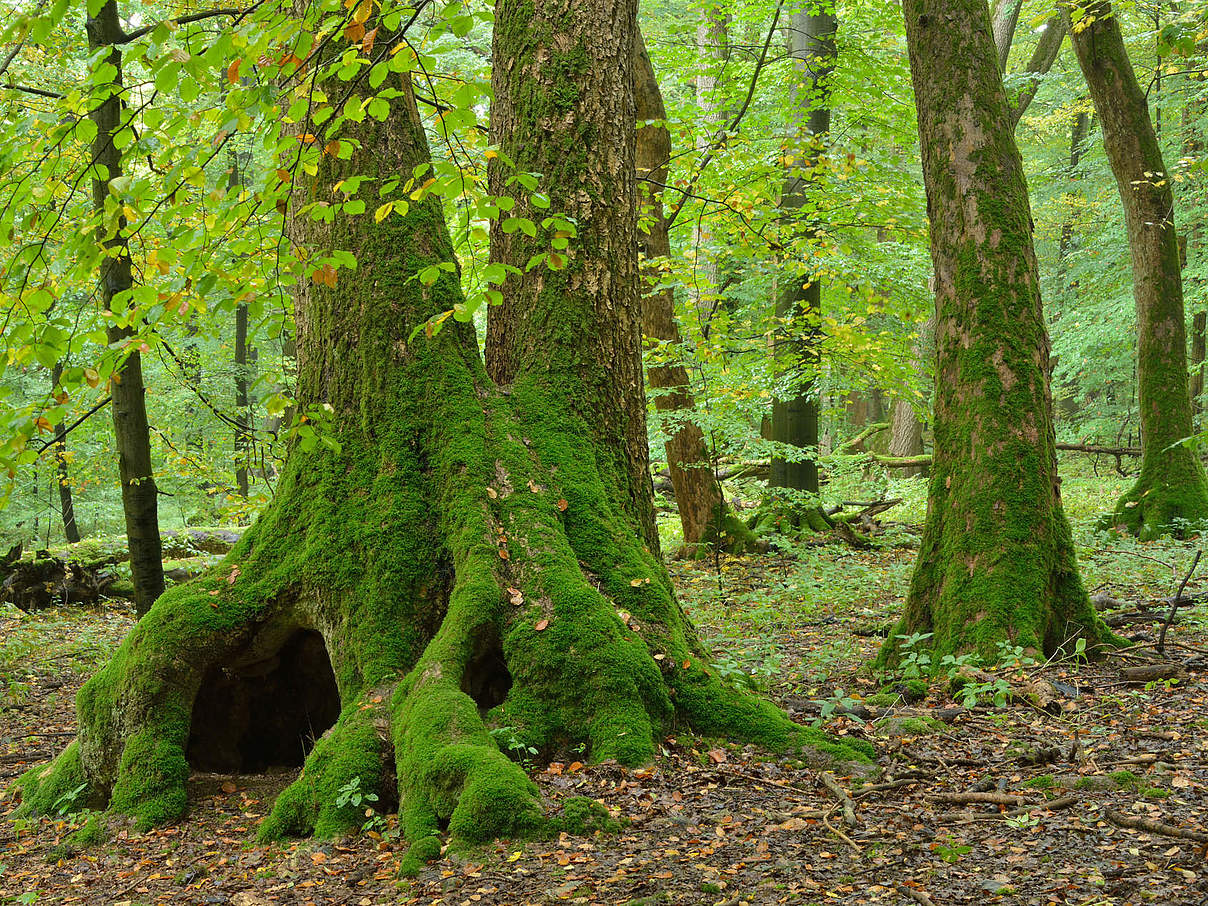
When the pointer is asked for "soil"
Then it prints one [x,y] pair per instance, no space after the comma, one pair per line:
[708,822]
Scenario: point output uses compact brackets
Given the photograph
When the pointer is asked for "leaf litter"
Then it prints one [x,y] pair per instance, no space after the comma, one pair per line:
[1097,798]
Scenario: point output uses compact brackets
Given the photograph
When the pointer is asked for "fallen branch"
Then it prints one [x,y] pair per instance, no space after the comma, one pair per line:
[979,798]
[1175,601]
[1152,672]
[1153,827]
[849,807]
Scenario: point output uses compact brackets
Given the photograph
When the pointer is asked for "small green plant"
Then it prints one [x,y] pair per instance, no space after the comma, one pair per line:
[66,804]
[832,703]
[509,741]
[1024,821]
[950,850]
[351,794]
[916,661]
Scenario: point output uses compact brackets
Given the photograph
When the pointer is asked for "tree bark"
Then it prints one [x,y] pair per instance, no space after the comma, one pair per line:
[459,555]
[712,52]
[698,493]
[1043,57]
[1171,493]
[799,306]
[996,561]
[66,504]
[1004,20]
[243,412]
[132,434]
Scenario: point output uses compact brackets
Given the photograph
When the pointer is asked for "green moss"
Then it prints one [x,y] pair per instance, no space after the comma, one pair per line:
[150,784]
[911,726]
[93,832]
[353,751]
[45,789]
[1043,782]
[1125,780]
[582,816]
[422,851]
[1155,792]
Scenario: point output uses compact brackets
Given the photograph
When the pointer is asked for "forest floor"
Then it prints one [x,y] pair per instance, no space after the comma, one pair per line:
[1098,798]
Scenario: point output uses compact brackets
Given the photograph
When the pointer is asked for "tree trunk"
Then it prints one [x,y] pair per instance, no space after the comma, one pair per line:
[1171,493]
[906,437]
[66,504]
[712,53]
[698,493]
[242,450]
[1043,57]
[1004,19]
[799,307]
[243,412]
[132,435]
[460,555]
[996,561]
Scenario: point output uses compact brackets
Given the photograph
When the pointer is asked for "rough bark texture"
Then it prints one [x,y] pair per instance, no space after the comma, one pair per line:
[1004,19]
[563,107]
[1171,493]
[996,561]
[132,436]
[798,308]
[460,559]
[906,438]
[698,493]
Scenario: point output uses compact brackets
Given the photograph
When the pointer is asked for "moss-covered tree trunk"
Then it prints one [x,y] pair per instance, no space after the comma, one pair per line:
[996,561]
[459,555]
[1171,492]
[698,494]
[132,436]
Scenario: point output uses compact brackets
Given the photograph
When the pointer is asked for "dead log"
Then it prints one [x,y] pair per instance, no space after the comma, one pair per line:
[49,581]
[1152,672]
[1153,827]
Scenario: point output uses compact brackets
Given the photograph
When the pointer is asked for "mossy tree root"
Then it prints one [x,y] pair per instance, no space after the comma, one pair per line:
[559,624]
[1174,503]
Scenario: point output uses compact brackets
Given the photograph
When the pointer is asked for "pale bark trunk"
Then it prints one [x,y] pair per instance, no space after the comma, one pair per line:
[996,561]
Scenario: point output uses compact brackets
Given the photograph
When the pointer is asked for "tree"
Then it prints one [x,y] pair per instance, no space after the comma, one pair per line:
[455,553]
[1171,492]
[132,435]
[71,531]
[996,561]
[698,494]
[795,410]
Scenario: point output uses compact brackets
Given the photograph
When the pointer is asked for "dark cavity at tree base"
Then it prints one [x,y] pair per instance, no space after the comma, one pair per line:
[393,605]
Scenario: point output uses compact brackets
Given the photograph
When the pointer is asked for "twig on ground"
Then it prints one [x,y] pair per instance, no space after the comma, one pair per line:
[1153,827]
[849,807]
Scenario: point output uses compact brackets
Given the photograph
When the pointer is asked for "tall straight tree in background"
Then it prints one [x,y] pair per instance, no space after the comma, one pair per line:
[798,309]
[996,561]
[460,553]
[140,501]
[1171,493]
[698,493]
